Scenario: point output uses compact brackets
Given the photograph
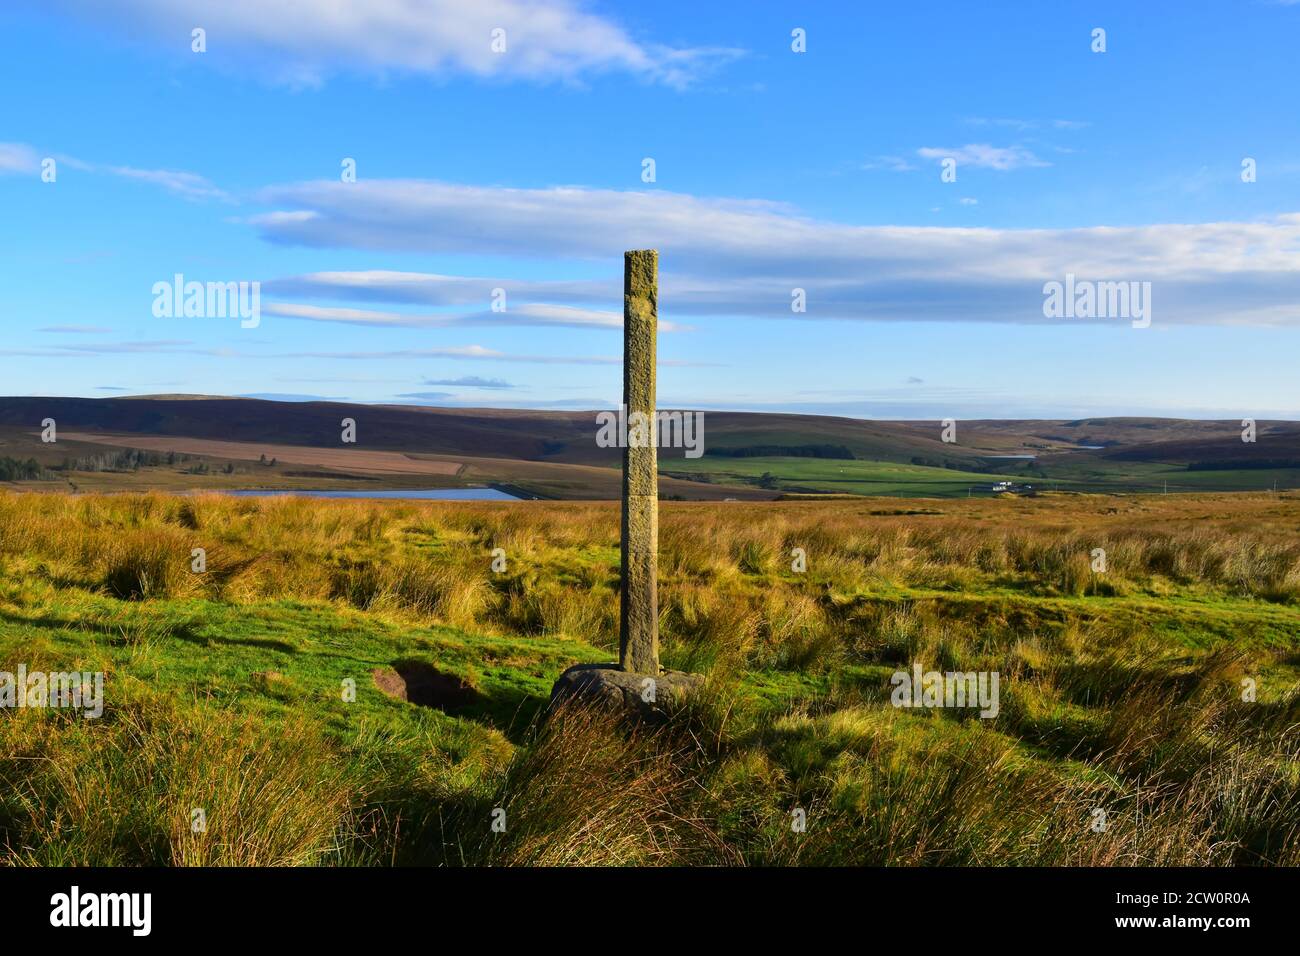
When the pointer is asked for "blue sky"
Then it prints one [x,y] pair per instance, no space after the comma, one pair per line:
[775,170]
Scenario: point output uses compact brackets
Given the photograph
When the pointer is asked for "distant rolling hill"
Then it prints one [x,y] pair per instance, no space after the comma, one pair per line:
[532,435]
[554,453]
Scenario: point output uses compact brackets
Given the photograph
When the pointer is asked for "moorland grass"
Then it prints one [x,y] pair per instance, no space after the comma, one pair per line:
[1120,691]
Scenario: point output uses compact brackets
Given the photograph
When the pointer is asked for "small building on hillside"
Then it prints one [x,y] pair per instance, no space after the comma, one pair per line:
[1012,488]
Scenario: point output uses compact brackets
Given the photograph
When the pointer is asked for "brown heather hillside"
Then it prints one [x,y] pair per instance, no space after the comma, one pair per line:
[568,437]
[554,454]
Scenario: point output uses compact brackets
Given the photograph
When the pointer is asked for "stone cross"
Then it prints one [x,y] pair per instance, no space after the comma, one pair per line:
[638,641]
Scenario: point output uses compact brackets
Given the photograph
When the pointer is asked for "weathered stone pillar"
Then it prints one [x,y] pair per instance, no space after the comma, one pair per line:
[636,684]
[639,601]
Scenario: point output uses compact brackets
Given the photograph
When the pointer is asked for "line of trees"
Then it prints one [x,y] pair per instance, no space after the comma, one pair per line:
[15,469]
[203,468]
[126,459]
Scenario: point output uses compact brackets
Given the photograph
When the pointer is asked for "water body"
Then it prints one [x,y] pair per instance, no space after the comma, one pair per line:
[1022,457]
[422,494]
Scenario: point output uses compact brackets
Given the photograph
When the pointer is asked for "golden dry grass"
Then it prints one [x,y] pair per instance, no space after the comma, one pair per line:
[1121,691]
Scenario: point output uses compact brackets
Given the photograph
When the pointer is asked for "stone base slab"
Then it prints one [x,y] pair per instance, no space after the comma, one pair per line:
[646,695]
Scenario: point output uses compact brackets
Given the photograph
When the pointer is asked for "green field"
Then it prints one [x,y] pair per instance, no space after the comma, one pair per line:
[839,476]
[833,475]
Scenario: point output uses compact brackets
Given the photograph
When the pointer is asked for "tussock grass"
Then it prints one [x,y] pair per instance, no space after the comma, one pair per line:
[1121,691]
[589,790]
[124,790]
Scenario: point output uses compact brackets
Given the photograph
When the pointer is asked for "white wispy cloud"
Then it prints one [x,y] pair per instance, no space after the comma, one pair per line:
[456,352]
[188,185]
[895,164]
[1003,122]
[427,396]
[743,257]
[20,158]
[304,41]
[480,353]
[469,381]
[163,346]
[1024,125]
[429,288]
[527,314]
[984,156]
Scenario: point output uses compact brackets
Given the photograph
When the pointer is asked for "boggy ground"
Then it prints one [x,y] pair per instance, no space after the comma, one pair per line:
[1120,692]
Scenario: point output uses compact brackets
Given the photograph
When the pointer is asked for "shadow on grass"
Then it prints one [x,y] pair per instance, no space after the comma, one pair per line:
[189,634]
[119,632]
[506,708]
[510,710]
